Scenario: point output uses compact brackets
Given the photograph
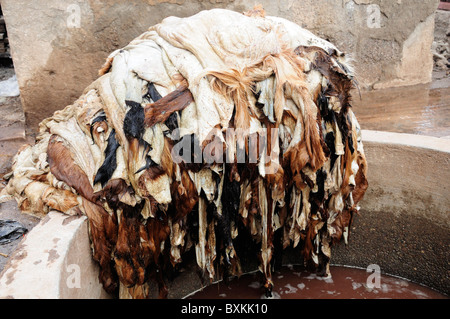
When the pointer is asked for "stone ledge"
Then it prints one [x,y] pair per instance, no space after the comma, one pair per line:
[53,262]
[411,140]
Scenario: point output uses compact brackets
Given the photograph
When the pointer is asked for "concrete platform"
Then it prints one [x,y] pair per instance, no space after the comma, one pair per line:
[53,261]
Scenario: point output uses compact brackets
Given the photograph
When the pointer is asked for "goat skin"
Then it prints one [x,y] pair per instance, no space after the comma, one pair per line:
[219,83]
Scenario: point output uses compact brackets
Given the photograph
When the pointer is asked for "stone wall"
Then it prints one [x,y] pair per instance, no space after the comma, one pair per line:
[58,45]
[441,44]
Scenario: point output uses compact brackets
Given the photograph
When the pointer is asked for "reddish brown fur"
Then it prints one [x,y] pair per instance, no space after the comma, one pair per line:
[158,231]
[257,11]
[185,196]
[337,226]
[59,199]
[106,67]
[113,190]
[309,239]
[103,231]
[360,180]
[160,111]
[234,85]
[64,168]
[128,250]
[167,163]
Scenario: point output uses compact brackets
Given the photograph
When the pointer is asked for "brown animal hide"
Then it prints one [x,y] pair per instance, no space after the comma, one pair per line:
[159,112]
[63,167]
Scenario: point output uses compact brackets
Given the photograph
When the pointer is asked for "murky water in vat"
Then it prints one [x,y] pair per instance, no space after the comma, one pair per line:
[294,283]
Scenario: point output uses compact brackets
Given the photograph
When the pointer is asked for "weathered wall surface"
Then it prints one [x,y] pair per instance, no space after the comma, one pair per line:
[58,45]
[441,44]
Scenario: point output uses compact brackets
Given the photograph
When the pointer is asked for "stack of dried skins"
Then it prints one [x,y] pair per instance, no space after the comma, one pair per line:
[204,134]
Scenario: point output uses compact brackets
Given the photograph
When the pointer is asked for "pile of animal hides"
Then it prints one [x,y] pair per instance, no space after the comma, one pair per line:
[204,134]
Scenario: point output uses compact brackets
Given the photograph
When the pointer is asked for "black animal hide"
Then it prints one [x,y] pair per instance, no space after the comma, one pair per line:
[108,167]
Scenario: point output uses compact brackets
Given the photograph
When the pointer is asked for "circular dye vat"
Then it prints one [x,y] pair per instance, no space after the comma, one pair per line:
[293,282]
